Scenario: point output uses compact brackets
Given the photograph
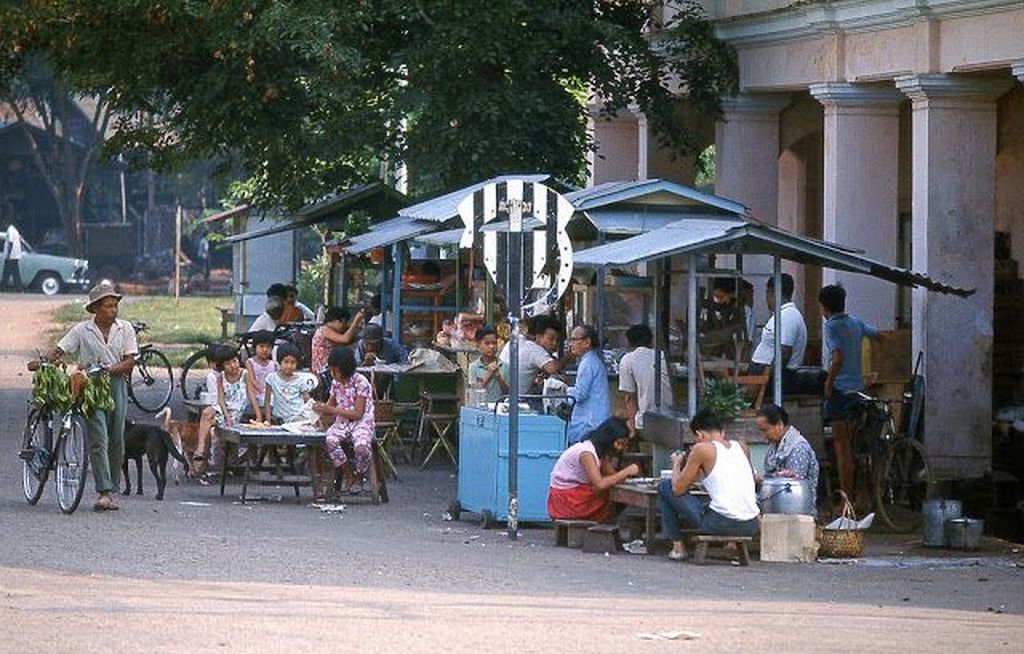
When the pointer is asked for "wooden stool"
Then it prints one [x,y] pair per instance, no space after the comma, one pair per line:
[441,424]
[703,541]
[387,434]
[601,539]
[569,533]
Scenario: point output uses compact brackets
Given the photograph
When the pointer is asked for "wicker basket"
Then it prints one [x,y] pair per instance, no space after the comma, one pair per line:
[383,411]
[841,543]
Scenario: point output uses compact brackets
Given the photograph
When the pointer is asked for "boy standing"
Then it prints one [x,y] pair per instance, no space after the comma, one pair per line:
[487,372]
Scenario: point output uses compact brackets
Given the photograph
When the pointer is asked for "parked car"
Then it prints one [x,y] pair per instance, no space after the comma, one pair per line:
[50,274]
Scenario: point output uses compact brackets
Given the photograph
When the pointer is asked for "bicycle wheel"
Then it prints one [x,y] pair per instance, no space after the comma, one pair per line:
[902,478]
[72,464]
[35,454]
[151,381]
[193,375]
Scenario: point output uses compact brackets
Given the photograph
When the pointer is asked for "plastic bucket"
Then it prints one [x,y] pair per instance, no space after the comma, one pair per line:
[935,514]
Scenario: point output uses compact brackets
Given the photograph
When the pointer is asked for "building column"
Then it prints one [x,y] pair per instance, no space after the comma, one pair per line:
[953,237]
[861,168]
[747,170]
[747,153]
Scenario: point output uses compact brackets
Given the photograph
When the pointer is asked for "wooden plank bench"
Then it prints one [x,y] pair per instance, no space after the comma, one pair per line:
[703,542]
[601,539]
[569,533]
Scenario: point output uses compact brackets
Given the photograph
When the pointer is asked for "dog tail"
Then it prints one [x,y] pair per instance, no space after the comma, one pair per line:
[172,448]
[165,416]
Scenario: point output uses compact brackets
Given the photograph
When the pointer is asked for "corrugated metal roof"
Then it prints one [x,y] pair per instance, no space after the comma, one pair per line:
[690,236]
[649,191]
[388,232]
[446,207]
[447,237]
[615,221]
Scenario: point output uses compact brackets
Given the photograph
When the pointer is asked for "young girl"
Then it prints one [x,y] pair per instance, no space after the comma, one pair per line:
[336,330]
[259,366]
[232,400]
[354,428]
[286,390]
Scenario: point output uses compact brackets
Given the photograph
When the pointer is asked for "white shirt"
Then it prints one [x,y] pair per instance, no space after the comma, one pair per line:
[636,375]
[12,247]
[794,335]
[532,358]
[263,322]
[85,342]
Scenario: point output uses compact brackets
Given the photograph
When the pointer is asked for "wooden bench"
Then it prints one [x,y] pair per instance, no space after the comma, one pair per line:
[601,539]
[569,533]
[703,542]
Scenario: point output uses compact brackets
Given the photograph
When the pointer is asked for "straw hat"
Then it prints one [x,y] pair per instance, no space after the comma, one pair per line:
[99,292]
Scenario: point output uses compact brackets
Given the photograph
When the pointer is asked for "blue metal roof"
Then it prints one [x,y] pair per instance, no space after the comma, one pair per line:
[623,222]
[738,236]
[446,207]
[388,232]
[651,192]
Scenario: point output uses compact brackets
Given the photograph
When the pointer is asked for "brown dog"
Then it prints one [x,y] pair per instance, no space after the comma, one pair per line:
[185,436]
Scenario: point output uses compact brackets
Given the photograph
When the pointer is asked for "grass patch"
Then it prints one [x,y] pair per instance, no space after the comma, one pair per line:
[188,321]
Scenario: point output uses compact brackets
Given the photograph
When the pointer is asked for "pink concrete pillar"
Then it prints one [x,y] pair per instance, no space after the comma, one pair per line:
[954,153]
[861,167]
[747,170]
[747,153]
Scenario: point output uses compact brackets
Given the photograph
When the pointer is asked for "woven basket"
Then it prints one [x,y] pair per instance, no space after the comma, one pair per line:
[841,543]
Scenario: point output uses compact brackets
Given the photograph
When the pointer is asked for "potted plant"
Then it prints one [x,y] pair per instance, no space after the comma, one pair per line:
[724,397]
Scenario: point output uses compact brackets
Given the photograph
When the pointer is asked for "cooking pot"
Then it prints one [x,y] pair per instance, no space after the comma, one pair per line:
[786,495]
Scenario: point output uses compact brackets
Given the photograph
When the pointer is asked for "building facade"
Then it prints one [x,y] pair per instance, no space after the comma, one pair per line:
[896,127]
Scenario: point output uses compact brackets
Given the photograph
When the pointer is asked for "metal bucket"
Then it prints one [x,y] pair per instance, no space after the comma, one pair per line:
[935,514]
[787,496]
[964,533]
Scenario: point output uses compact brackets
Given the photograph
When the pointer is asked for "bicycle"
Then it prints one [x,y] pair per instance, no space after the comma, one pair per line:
[892,461]
[151,380]
[67,455]
[192,380]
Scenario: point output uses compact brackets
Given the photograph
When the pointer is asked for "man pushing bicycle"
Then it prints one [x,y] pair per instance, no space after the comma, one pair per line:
[110,343]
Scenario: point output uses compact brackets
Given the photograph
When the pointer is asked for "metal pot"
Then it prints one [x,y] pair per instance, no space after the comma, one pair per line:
[787,496]
[935,514]
[964,533]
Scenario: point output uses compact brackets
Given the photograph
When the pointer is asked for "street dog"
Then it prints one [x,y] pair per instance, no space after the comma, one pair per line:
[156,444]
[185,436]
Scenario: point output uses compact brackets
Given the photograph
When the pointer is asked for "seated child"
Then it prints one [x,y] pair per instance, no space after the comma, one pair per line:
[487,372]
[232,399]
[259,366]
[286,390]
[351,405]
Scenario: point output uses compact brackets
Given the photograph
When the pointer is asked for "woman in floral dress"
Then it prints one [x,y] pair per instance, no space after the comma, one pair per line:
[351,404]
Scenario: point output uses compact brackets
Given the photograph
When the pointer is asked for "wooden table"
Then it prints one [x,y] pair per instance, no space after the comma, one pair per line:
[642,496]
[278,475]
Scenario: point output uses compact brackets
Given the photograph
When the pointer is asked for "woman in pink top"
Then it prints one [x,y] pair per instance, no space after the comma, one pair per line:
[336,330]
[582,476]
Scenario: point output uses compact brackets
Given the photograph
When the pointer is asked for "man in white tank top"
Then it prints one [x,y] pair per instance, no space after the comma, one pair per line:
[730,506]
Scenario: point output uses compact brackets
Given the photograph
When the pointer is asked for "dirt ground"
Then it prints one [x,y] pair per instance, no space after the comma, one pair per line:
[204,572]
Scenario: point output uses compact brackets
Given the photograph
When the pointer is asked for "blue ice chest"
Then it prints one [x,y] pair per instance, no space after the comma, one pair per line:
[483,463]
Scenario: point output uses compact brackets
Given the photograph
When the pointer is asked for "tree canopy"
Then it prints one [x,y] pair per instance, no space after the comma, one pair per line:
[312,96]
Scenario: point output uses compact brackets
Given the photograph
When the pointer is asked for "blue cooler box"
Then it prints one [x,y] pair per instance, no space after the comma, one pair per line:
[483,463]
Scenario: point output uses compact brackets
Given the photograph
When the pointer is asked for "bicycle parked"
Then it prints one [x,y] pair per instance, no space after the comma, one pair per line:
[57,442]
[891,462]
[151,381]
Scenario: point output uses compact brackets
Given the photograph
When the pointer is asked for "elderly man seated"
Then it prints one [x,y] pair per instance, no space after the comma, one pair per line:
[374,348]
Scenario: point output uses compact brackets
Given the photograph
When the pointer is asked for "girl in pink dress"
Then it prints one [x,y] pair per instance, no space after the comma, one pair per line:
[354,428]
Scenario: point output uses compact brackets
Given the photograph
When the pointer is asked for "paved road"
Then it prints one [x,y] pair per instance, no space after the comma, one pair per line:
[201,570]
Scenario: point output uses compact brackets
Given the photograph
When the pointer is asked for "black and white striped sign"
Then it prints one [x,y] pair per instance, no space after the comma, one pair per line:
[547,250]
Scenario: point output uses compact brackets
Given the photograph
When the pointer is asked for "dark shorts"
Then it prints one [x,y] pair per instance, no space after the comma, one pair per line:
[837,407]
